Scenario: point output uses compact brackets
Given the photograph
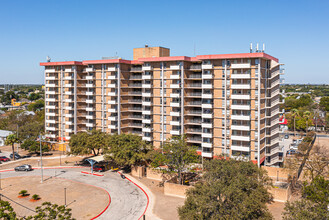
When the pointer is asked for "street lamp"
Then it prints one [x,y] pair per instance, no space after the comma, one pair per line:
[65,196]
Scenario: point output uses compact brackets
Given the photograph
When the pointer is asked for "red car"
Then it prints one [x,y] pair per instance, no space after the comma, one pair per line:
[99,168]
[4,159]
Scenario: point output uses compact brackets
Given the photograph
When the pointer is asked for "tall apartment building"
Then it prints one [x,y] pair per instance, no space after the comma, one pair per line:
[224,103]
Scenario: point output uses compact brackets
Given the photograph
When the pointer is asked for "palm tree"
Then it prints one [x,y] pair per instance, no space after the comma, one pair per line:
[306,116]
[295,113]
[11,140]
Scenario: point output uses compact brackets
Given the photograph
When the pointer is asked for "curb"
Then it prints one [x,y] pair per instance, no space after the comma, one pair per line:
[94,174]
[148,200]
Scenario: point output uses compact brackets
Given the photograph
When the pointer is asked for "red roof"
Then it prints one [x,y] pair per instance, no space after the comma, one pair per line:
[157,59]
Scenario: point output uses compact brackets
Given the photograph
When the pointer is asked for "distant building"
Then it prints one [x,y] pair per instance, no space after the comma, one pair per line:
[3,135]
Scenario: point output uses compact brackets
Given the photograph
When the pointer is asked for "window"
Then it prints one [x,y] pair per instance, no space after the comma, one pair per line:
[256,61]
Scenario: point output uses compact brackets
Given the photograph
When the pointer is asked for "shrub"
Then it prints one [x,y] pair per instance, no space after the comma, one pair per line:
[23,192]
[35,197]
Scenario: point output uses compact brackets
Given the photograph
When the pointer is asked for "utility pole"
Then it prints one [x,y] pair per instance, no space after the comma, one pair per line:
[65,196]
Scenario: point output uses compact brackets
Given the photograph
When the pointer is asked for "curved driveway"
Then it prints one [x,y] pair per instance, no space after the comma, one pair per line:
[127,200]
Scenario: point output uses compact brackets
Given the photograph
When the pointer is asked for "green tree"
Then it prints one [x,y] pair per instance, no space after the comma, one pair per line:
[6,98]
[11,140]
[36,106]
[84,143]
[229,189]
[6,211]
[177,155]
[34,96]
[314,202]
[34,146]
[324,103]
[127,149]
[52,211]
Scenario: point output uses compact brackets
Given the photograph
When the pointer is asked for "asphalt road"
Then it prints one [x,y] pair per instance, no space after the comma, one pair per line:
[127,200]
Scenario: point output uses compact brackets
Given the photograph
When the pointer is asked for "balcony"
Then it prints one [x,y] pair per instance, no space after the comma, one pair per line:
[112,118]
[50,100]
[147,129]
[146,76]
[111,94]
[89,125]
[89,117]
[89,101]
[112,77]
[112,102]
[175,123]
[146,121]
[49,70]
[146,138]
[240,76]
[51,85]
[69,123]
[50,135]
[89,93]
[195,94]
[244,97]
[207,76]
[240,66]
[89,109]
[112,69]
[240,127]
[206,125]
[240,117]
[50,114]
[195,76]
[136,85]
[240,138]
[146,94]
[69,115]
[196,67]
[147,68]
[207,154]
[208,145]
[193,121]
[207,96]
[50,78]
[175,67]
[68,108]
[240,107]
[240,86]
[51,106]
[68,70]
[206,115]
[205,105]
[194,112]
[50,128]
[194,130]
[146,112]
[207,86]
[174,104]
[194,140]
[68,93]
[207,66]
[68,78]
[175,76]
[147,86]
[50,121]
[175,114]
[175,132]
[112,126]
[146,103]
[174,86]
[194,85]
[90,69]
[174,95]
[50,92]
[68,85]
[90,85]
[240,148]
[68,130]
[136,69]
[207,135]
[112,85]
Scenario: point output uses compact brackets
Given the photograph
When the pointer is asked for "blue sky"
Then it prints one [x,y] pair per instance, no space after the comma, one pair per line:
[296,32]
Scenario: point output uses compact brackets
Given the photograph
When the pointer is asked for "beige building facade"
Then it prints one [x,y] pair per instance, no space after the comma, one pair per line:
[225,104]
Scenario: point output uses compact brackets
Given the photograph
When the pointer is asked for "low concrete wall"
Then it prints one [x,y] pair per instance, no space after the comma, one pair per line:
[154,174]
[172,189]
[276,173]
[137,171]
[281,195]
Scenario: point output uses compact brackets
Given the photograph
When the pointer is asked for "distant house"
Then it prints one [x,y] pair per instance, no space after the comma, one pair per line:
[3,135]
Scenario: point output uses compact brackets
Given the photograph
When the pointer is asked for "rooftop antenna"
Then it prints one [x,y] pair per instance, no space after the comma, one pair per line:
[263,47]
[257,48]
[48,59]
[250,47]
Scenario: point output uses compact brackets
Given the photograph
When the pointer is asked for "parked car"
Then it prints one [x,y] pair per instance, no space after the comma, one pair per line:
[25,167]
[4,158]
[98,168]
[291,152]
[17,156]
